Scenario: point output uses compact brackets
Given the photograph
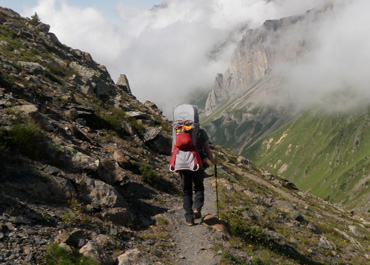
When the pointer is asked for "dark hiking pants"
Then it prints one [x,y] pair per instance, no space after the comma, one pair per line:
[188,178]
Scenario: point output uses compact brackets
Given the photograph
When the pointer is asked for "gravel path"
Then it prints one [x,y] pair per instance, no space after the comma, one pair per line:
[194,245]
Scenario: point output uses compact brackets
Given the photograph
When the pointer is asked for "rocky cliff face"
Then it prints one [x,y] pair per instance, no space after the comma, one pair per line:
[242,98]
[254,59]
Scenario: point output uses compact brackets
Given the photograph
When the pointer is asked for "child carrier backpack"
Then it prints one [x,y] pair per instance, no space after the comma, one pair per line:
[185,134]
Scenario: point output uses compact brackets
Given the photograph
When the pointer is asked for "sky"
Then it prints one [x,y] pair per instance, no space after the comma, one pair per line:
[170,51]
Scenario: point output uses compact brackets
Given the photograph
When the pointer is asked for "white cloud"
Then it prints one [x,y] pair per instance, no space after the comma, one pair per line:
[165,52]
[339,62]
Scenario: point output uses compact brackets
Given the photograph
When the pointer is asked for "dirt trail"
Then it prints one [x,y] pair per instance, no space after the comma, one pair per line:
[194,245]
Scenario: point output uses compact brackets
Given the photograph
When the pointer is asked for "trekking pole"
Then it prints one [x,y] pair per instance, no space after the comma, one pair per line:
[218,213]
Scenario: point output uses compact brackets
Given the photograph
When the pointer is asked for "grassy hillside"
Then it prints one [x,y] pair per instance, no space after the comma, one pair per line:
[327,154]
[273,222]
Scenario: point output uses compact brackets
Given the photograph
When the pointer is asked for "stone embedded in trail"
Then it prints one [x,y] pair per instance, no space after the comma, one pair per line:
[216,223]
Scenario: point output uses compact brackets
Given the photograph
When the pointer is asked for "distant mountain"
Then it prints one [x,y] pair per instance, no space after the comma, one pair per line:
[321,151]
[236,110]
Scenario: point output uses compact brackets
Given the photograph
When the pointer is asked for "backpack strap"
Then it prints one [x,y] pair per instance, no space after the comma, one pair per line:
[173,159]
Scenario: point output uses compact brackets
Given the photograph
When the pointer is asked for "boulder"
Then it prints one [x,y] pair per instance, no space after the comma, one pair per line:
[93,81]
[276,237]
[106,241]
[290,209]
[137,115]
[47,188]
[93,250]
[155,140]
[326,243]
[130,257]
[122,159]
[77,238]
[81,161]
[32,68]
[43,28]
[100,194]
[123,83]
[356,231]
[314,228]
[6,45]
[215,222]
[32,111]
[128,128]
[150,105]
[111,172]
[119,216]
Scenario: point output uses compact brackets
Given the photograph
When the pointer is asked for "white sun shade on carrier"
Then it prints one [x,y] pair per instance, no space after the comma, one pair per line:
[186,112]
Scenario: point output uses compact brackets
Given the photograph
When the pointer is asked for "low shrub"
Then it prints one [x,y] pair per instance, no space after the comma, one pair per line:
[148,174]
[26,138]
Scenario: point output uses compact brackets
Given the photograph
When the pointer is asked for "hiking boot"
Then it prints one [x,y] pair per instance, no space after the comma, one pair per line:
[197,214]
[189,221]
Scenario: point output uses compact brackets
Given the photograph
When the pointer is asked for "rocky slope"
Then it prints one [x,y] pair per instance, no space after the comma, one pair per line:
[84,177]
[80,156]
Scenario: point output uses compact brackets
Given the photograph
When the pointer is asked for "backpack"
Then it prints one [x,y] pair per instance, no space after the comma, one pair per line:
[185,134]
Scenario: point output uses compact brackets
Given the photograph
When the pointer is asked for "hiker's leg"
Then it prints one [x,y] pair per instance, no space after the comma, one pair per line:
[187,194]
[198,179]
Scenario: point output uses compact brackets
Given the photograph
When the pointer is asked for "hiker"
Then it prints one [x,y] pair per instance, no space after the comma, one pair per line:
[198,150]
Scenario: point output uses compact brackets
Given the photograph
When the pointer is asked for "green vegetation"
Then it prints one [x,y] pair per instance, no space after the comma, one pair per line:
[251,244]
[111,120]
[25,138]
[77,214]
[328,154]
[35,19]
[57,255]
[263,236]
[148,175]
[108,117]
[151,177]
[70,218]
